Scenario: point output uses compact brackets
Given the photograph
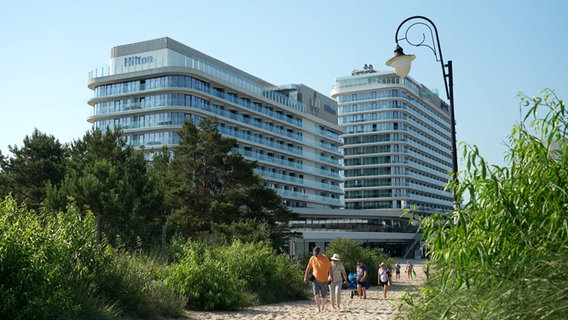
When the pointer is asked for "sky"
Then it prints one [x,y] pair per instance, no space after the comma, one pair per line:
[497,48]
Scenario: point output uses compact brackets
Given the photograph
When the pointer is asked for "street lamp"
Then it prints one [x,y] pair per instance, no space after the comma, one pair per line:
[401,64]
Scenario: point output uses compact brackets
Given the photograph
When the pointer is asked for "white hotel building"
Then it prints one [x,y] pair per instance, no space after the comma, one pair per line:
[396,156]
[396,139]
[151,87]
[397,143]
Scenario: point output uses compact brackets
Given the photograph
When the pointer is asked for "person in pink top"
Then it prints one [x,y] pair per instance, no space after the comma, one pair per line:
[319,266]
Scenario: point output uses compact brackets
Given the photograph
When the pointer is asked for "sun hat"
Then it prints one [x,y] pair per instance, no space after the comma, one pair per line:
[335,257]
[317,250]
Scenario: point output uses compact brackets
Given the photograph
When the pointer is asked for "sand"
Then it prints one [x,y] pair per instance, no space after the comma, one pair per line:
[375,307]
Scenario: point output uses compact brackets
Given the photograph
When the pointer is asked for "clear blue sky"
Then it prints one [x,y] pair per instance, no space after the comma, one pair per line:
[498,48]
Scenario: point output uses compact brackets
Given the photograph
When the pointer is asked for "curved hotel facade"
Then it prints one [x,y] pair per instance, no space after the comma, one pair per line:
[397,143]
[392,134]
[151,87]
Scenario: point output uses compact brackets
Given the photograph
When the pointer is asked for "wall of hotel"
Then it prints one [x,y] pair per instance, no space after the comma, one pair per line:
[318,105]
[137,61]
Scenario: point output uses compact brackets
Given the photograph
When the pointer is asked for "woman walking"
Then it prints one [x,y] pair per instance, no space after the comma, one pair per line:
[384,278]
[409,269]
[338,278]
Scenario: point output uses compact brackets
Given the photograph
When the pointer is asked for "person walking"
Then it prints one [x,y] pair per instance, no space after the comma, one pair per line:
[397,271]
[319,266]
[409,269]
[338,278]
[383,276]
[361,280]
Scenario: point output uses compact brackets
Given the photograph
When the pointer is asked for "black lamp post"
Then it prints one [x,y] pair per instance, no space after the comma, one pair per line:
[401,64]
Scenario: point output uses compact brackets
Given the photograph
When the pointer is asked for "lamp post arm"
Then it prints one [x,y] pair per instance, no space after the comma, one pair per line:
[436,48]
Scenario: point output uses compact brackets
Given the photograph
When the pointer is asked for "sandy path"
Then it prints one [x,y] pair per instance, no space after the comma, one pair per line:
[372,308]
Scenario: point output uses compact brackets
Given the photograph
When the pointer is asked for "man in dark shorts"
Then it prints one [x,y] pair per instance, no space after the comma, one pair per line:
[397,270]
[361,280]
[384,277]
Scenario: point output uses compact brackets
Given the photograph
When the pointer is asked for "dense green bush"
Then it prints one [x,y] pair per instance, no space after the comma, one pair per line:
[41,260]
[206,280]
[232,277]
[270,277]
[504,254]
[52,267]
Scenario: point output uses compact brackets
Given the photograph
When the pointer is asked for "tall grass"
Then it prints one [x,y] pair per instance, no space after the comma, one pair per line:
[52,267]
[39,260]
[504,254]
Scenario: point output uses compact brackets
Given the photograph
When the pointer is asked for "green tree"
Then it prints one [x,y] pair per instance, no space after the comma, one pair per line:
[350,251]
[40,162]
[207,184]
[246,230]
[110,179]
[503,255]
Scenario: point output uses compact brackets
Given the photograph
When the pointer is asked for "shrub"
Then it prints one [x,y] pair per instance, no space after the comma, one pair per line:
[350,251]
[206,281]
[51,266]
[41,258]
[271,277]
[232,277]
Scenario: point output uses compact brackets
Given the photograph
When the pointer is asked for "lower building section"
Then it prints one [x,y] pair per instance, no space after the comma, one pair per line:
[387,230]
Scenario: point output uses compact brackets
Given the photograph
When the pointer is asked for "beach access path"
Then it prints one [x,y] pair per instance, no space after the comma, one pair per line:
[375,307]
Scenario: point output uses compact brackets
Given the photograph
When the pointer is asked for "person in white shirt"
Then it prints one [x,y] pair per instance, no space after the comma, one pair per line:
[384,278]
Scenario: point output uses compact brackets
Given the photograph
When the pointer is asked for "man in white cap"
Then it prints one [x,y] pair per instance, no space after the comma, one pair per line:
[337,275]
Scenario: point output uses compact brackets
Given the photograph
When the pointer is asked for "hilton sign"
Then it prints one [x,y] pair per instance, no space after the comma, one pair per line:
[136,60]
